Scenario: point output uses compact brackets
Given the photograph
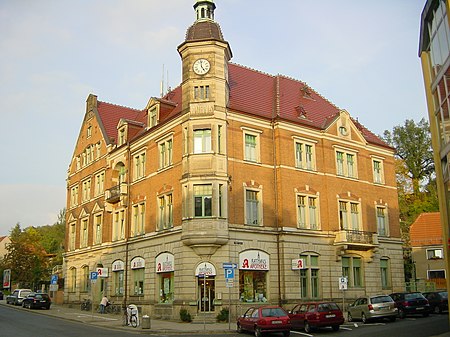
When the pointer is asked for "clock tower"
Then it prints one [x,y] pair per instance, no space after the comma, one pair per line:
[205,90]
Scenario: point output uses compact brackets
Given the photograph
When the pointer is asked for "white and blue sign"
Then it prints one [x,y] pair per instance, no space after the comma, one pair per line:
[94,275]
[227,265]
[229,273]
[54,279]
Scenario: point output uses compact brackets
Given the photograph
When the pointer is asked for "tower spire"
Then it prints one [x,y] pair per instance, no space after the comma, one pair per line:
[204,10]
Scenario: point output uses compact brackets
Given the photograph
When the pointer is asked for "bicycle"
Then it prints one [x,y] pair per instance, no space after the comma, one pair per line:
[86,305]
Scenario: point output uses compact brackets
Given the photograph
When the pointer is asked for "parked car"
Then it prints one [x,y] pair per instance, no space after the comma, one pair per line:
[37,300]
[438,301]
[17,296]
[312,315]
[372,307]
[409,303]
[1,295]
[264,319]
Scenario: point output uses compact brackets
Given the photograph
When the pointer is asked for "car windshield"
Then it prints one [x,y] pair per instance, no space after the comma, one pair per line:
[327,307]
[272,312]
[381,299]
[413,296]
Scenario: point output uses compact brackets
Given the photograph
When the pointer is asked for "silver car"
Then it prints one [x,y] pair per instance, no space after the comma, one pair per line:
[372,307]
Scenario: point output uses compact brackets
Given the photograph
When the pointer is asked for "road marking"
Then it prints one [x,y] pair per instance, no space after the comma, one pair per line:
[301,333]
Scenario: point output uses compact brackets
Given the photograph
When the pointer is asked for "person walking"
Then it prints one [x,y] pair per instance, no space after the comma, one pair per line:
[103,304]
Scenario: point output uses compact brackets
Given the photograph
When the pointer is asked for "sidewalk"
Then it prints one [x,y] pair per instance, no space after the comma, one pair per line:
[114,321]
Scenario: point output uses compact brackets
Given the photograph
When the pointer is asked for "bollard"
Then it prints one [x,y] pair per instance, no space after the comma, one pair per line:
[145,324]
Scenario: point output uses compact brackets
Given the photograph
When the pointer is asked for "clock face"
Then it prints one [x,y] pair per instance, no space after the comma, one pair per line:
[201,66]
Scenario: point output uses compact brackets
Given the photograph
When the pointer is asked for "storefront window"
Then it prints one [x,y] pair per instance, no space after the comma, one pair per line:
[253,286]
[137,276]
[166,288]
[118,282]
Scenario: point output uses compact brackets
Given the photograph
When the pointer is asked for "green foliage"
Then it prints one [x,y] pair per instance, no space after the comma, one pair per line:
[33,252]
[222,316]
[185,316]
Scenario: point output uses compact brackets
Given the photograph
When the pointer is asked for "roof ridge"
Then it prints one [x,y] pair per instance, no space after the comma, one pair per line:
[252,69]
[121,106]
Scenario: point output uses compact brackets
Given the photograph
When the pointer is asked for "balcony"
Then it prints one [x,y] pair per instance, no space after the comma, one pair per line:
[115,194]
[356,240]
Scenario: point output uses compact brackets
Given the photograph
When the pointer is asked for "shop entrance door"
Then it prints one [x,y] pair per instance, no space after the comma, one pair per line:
[206,292]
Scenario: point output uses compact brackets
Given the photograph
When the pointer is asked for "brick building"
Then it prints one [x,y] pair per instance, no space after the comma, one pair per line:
[234,165]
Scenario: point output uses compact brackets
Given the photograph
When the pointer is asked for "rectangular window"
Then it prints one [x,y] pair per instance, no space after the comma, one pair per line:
[72,235]
[100,183]
[118,277]
[346,164]
[252,207]
[165,218]
[84,233]
[201,92]
[304,156]
[202,141]
[98,229]
[435,254]
[139,166]
[73,280]
[349,220]
[86,192]
[219,139]
[203,200]
[138,281]
[381,221]
[165,153]
[253,286]
[152,117]
[307,212]
[378,175]
[250,148]
[352,269]
[138,219]
[74,196]
[119,225]
[85,280]
[309,277]
[384,272]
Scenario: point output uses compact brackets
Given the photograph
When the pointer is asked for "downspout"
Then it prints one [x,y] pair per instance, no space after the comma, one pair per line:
[275,182]
[128,219]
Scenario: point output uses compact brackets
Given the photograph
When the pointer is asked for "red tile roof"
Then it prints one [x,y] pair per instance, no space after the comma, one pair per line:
[426,230]
[251,92]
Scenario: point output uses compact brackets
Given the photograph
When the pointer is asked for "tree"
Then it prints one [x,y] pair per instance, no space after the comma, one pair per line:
[412,143]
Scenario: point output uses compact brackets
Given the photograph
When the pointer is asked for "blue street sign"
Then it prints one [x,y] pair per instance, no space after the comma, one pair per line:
[229,265]
[54,279]
[229,273]
[94,275]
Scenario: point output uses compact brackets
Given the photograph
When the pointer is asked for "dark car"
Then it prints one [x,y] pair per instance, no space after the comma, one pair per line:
[410,303]
[37,300]
[264,319]
[438,301]
[1,295]
[372,307]
[312,315]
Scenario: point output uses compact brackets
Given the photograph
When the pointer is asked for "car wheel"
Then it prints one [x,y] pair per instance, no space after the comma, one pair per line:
[349,317]
[335,327]
[239,328]
[437,310]
[392,318]
[23,305]
[258,332]
[401,313]
[286,333]
[307,327]
[48,307]
[363,318]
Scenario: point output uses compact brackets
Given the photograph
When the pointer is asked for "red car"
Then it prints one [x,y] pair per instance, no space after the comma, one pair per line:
[265,319]
[312,315]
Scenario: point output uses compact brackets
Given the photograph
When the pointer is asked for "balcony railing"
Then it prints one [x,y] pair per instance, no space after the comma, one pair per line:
[113,195]
[356,239]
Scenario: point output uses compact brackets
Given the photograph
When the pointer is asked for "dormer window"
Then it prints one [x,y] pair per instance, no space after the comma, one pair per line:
[152,113]
[122,136]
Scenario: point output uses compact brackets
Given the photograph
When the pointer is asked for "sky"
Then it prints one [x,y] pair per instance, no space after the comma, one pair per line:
[361,55]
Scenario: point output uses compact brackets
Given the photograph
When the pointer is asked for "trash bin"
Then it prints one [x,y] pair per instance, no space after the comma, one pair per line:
[145,322]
